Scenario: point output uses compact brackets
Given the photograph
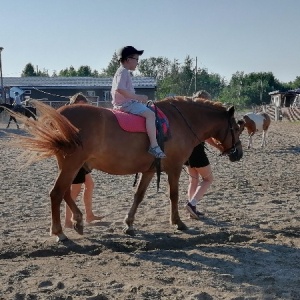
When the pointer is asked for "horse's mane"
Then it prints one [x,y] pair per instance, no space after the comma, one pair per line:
[198,101]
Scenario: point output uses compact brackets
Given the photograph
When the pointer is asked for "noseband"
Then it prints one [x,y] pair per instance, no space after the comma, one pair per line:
[233,150]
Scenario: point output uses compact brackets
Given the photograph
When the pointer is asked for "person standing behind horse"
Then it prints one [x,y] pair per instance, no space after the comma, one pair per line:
[17,105]
[198,166]
[125,99]
[83,177]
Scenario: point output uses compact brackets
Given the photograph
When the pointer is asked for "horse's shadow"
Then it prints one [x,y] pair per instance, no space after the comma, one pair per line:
[293,149]
[7,131]
[258,265]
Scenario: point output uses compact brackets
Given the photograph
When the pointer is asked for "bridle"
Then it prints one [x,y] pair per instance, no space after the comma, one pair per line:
[233,150]
[229,152]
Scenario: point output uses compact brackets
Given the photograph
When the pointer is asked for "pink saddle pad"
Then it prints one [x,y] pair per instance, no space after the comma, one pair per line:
[134,123]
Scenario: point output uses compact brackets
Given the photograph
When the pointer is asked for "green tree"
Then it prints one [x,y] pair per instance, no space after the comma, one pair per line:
[295,84]
[112,67]
[43,73]
[84,71]
[157,67]
[28,71]
[187,77]
[68,72]
[212,83]
[252,88]
[168,86]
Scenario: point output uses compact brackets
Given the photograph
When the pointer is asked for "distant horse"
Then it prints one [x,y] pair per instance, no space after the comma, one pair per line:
[28,111]
[86,135]
[255,122]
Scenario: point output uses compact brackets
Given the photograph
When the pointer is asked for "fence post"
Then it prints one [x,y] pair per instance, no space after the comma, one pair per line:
[277,113]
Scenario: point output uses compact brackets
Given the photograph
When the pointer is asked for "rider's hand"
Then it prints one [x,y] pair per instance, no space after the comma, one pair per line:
[143,98]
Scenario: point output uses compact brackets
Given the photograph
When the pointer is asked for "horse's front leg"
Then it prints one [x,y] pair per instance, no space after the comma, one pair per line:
[76,213]
[250,141]
[138,198]
[173,179]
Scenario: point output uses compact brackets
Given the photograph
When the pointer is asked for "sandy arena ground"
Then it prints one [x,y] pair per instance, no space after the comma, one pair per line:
[245,247]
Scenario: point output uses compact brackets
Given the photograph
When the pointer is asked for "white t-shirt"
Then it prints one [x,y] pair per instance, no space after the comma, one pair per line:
[122,80]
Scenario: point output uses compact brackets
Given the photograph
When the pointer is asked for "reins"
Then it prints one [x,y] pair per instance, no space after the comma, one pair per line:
[230,151]
[186,122]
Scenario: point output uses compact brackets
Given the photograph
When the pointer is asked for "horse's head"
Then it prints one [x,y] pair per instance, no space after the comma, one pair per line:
[229,138]
[241,124]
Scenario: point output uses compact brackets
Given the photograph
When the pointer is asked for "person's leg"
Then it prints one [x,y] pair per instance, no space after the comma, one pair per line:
[150,126]
[88,199]
[141,109]
[195,190]
[207,179]
[193,181]
[75,190]
[154,149]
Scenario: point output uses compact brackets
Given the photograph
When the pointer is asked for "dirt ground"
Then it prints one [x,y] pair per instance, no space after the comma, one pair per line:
[245,247]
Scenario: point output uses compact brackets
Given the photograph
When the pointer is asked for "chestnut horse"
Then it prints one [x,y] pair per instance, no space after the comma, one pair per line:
[86,135]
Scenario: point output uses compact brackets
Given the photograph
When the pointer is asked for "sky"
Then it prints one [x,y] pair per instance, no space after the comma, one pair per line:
[225,36]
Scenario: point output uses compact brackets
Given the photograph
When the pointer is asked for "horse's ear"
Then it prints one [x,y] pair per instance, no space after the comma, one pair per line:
[231,111]
[241,122]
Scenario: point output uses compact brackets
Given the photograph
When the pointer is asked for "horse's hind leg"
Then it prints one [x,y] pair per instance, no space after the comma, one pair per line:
[61,190]
[56,196]
[264,137]
[138,198]
[76,213]
[263,141]
[10,119]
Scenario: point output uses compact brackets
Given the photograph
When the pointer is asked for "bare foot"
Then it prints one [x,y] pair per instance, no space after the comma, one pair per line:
[93,218]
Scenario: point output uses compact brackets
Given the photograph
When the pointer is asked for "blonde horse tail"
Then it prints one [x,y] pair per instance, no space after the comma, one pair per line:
[51,135]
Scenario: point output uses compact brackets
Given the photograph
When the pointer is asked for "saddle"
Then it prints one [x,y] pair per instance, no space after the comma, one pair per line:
[134,123]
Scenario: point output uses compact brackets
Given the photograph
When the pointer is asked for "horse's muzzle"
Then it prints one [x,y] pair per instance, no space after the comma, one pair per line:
[235,155]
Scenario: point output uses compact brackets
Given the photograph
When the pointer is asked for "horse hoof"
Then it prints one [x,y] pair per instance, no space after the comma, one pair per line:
[129,231]
[78,228]
[61,237]
[181,227]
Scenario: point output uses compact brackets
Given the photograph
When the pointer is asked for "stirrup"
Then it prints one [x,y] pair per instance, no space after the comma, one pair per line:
[156,152]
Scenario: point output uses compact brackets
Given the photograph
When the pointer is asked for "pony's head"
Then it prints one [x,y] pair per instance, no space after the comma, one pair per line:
[241,124]
[229,138]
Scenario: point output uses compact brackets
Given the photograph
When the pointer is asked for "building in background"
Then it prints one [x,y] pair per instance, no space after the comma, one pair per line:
[57,90]
[290,98]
